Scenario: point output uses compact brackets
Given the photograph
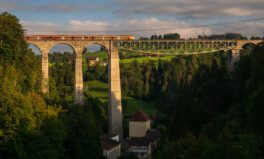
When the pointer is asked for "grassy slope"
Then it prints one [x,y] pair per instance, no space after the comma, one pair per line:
[145,59]
[131,105]
[103,55]
[97,89]
[100,90]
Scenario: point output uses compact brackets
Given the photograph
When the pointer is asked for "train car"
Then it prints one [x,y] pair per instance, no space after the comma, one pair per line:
[130,37]
[78,37]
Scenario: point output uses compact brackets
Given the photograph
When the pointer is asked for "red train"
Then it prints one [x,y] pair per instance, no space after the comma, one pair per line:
[79,37]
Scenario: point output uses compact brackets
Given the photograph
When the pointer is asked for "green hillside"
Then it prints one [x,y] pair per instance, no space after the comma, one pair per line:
[146,59]
[100,54]
[128,59]
[99,90]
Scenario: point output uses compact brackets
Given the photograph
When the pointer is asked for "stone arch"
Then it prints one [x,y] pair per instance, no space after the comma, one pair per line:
[60,47]
[37,47]
[93,56]
[96,43]
[63,43]
[248,43]
[104,44]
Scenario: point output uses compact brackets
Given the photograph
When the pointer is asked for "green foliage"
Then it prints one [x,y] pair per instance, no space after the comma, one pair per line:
[48,142]
[223,113]
[142,60]
[12,43]
[61,79]
[102,55]
[230,36]
[97,89]
[254,111]
[201,109]
[169,36]
[132,105]
[14,51]
[98,71]
[82,138]
[29,128]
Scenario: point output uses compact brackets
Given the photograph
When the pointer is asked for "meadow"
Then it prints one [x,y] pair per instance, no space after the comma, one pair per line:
[99,90]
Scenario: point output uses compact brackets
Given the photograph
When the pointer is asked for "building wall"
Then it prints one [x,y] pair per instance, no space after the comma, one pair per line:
[142,152]
[114,153]
[138,128]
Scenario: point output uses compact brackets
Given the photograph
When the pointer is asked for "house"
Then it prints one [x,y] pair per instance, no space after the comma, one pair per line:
[111,146]
[139,123]
[142,139]
[92,60]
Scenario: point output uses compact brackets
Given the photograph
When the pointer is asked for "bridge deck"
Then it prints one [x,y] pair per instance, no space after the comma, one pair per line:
[78,37]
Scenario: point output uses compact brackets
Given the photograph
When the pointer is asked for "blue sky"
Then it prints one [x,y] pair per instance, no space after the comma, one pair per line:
[124,16]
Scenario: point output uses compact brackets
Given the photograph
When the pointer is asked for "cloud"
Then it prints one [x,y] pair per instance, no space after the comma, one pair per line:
[177,8]
[87,25]
[140,27]
[39,27]
[16,5]
[151,25]
[72,26]
[191,8]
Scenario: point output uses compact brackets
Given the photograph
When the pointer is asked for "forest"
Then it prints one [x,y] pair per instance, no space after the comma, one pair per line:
[205,111]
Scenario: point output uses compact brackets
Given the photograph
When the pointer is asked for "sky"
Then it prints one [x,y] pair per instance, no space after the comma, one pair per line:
[138,17]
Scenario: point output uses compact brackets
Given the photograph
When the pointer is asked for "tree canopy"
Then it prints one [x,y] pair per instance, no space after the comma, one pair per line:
[30,127]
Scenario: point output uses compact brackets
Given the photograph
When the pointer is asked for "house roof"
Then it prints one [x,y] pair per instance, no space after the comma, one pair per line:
[139,141]
[108,144]
[140,116]
[151,136]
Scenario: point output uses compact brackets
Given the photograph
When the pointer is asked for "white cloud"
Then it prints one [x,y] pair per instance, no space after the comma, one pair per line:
[141,27]
[191,8]
[72,26]
[21,5]
[39,27]
[87,25]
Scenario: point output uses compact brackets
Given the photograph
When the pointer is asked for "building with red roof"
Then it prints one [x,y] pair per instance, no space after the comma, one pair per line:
[142,139]
[139,123]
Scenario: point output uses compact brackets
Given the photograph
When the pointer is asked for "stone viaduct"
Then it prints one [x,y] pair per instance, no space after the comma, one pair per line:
[78,43]
[112,43]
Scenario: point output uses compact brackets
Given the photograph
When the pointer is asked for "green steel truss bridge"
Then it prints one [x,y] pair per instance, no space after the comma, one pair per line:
[181,47]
